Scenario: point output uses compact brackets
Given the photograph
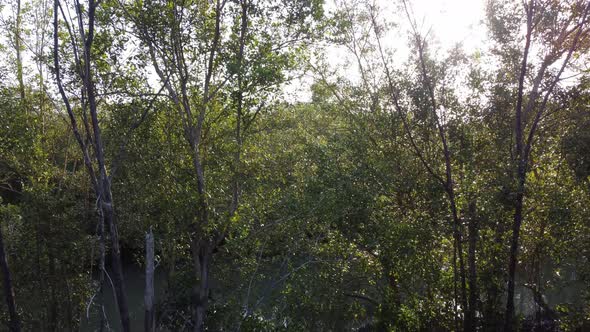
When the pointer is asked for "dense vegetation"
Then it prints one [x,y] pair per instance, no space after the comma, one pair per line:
[157,173]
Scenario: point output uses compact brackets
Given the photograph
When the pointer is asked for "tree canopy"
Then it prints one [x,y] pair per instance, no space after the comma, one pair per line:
[278,165]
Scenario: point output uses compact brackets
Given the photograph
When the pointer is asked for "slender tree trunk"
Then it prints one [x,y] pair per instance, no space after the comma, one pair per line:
[18,47]
[448,182]
[201,243]
[239,110]
[201,294]
[459,242]
[14,323]
[470,320]
[149,321]
[462,277]
[69,306]
[116,264]
[520,176]
[40,291]
[455,280]
[53,305]
[509,316]
[101,183]
[102,270]
[492,318]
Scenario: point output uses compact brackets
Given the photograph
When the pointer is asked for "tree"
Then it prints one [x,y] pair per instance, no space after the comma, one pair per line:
[85,63]
[561,28]
[385,198]
[14,324]
[255,57]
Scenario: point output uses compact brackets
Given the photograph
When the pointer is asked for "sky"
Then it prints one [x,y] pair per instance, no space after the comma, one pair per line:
[451,22]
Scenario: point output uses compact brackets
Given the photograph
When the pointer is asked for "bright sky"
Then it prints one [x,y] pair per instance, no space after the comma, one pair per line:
[450,22]
[453,21]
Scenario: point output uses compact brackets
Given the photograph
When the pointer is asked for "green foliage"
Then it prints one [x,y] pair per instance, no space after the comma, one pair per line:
[343,223]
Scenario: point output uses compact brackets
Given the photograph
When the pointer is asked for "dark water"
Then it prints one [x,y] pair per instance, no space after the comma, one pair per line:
[135,283]
[565,289]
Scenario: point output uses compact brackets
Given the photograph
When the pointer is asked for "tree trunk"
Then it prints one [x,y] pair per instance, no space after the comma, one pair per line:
[40,292]
[470,319]
[457,234]
[201,294]
[14,324]
[456,316]
[149,322]
[116,265]
[448,182]
[509,317]
[52,277]
[101,268]
[18,47]
[101,183]
[520,175]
